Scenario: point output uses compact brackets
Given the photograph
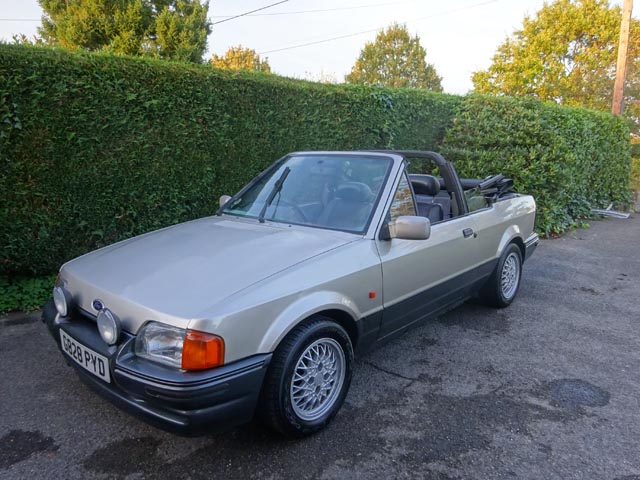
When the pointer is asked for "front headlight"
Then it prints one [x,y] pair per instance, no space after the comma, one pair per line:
[177,347]
[161,343]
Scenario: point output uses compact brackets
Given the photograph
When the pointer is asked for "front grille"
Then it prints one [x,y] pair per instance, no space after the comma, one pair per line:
[81,314]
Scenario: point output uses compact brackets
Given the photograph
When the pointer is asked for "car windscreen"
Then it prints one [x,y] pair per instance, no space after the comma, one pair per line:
[335,191]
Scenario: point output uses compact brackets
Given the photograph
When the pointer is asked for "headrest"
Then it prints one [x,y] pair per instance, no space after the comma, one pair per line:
[425,185]
[354,192]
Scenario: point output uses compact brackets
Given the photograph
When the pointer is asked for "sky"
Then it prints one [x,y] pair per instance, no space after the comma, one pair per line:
[460,36]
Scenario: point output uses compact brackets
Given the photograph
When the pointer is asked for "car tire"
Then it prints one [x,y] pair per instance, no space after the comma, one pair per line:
[503,284]
[308,378]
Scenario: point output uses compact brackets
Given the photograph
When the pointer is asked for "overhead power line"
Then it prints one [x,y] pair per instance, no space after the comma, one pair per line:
[340,37]
[250,12]
[268,14]
[322,10]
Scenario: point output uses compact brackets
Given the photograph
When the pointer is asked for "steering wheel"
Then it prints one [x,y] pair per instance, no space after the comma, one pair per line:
[293,206]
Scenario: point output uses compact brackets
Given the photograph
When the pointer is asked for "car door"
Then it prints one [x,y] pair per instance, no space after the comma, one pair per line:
[424,277]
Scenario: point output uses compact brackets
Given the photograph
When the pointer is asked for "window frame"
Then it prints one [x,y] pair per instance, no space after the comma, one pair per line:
[277,163]
[403,173]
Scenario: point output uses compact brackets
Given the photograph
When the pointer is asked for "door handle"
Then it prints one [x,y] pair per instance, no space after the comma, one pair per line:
[468,232]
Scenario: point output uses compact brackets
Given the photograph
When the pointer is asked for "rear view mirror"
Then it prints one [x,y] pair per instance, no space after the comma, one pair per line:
[410,228]
[223,200]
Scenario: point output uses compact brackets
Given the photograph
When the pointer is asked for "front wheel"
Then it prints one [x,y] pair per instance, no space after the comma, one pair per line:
[308,378]
[503,284]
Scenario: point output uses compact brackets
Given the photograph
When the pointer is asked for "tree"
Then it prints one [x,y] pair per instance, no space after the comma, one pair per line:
[241,58]
[171,29]
[181,32]
[567,54]
[395,59]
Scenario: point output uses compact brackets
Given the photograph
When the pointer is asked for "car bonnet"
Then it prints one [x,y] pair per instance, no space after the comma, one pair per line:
[172,274]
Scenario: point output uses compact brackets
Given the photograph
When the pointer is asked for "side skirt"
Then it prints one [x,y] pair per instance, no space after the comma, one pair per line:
[434,301]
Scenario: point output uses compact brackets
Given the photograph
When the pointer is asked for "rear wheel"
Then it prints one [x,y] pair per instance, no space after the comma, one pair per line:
[308,378]
[503,285]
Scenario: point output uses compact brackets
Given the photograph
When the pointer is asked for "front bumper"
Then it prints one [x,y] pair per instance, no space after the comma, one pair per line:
[187,403]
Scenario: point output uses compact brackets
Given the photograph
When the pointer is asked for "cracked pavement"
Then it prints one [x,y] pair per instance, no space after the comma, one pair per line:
[547,388]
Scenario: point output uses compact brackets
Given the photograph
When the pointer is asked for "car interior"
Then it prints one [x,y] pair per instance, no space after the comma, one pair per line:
[436,203]
[331,192]
[349,207]
[339,192]
[432,199]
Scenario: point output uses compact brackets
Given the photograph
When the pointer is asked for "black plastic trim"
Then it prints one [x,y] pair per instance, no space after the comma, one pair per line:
[434,301]
[530,245]
[369,327]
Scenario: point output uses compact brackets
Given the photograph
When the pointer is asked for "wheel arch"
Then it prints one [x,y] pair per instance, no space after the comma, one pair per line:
[328,304]
[520,243]
[345,320]
[512,234]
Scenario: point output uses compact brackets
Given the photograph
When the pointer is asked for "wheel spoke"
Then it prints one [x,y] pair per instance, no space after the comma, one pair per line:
[317,379]
[510,276]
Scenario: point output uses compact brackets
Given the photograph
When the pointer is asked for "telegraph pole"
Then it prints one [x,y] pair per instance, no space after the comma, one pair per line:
[621,67]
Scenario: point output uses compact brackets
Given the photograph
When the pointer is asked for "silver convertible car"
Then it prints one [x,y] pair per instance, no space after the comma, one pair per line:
[260,308]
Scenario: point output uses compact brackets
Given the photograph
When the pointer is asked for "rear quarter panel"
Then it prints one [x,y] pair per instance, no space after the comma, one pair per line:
[505,220]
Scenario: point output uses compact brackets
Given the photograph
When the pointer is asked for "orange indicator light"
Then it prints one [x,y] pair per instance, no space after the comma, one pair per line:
[202,350]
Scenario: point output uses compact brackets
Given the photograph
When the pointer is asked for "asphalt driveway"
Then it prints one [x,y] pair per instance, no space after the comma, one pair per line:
[547,388]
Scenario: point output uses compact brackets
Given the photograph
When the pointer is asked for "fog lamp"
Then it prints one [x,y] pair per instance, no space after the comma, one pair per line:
[62,300]
[108,326]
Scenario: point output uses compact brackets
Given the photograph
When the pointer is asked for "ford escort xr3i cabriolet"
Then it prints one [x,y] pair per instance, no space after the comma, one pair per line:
[260,308]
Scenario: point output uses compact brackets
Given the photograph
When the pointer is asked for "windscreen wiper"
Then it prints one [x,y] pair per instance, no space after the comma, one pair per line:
[276,188]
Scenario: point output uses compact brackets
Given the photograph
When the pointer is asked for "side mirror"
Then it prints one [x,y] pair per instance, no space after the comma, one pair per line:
[223,199]
[410,228]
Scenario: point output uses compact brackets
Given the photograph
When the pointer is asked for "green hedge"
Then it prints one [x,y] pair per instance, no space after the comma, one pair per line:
[570,159]
[635,166]
[635,175]
[96,148]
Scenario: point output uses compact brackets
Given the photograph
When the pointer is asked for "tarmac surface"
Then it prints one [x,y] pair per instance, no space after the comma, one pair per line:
[548,388]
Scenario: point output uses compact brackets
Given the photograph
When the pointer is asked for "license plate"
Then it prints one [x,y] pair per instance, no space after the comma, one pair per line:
[85,357]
